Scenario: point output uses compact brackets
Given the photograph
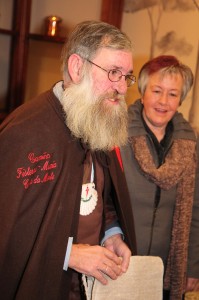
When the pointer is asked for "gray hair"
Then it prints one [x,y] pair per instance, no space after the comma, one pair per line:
[165,64]
[90,36]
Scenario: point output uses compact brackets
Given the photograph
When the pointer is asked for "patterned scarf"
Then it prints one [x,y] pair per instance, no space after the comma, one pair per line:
[178,169]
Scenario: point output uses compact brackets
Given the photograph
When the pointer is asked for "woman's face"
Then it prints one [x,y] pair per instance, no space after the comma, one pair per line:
[161,99]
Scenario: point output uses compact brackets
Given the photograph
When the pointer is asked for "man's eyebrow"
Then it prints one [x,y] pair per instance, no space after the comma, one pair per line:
[114,67]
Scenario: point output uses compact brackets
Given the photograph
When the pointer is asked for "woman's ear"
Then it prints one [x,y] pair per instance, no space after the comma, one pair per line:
[75,64]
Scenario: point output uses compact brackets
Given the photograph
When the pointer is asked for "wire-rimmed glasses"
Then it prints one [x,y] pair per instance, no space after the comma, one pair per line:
[116,75]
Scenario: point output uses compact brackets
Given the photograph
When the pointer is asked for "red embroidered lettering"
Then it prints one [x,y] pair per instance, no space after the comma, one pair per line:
[27,183]
[48,166]
[38,174]
[22,172]
[32,158]
[48,177]
[37,180]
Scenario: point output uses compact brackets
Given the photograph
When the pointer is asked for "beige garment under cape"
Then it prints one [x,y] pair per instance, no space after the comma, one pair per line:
[143,280]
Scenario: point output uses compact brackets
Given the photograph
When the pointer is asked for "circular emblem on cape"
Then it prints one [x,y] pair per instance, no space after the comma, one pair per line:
[88,199]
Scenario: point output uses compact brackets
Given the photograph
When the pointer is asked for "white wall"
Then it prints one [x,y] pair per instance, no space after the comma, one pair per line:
[184,24]
[71,11]
[44,58]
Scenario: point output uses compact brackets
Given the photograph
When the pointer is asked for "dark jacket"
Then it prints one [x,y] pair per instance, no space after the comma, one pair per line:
[144,194]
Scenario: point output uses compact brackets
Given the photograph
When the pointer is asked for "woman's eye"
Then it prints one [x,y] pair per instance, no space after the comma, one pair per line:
[173,95]
[156,91]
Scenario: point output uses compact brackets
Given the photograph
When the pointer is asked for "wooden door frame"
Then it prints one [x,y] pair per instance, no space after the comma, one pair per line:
[111,12]
[19,53]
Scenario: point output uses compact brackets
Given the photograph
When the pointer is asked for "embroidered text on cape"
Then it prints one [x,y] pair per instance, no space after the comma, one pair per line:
[39,169]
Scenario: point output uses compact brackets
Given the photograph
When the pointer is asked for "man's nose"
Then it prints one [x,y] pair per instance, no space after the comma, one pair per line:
[121,86]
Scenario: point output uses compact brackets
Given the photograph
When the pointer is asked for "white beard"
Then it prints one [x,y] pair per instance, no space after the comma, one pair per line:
[99,124]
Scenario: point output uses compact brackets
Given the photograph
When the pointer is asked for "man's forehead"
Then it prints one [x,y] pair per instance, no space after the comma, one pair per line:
[115,58]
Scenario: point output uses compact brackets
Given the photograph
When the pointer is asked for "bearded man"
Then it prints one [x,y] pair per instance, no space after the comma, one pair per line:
[64,205]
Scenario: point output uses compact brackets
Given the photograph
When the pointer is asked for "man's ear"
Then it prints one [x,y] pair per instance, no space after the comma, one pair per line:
[75,64]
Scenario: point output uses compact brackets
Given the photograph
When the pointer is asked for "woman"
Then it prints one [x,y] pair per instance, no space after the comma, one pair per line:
[160,165]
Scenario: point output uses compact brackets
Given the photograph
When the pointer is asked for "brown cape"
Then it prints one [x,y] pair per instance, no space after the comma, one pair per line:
[41,174]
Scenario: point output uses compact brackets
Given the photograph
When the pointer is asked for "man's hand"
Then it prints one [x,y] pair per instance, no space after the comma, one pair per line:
[116,245]
[95,261]
[192,284]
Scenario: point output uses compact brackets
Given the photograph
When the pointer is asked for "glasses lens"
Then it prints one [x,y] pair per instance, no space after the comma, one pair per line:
[130,79]
[114,75]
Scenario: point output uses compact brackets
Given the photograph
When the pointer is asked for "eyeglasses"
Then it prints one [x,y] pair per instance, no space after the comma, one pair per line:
[115,75]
